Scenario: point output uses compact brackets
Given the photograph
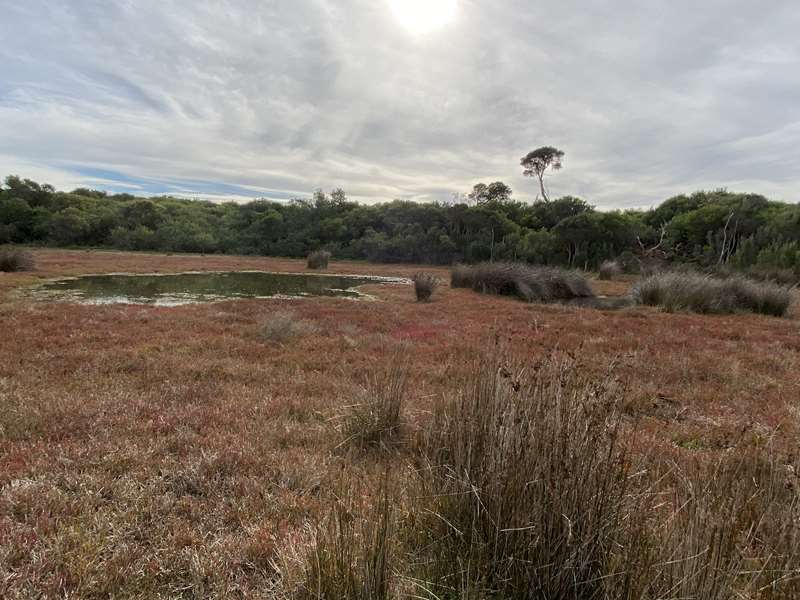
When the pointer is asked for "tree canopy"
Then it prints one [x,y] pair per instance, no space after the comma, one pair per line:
[707,228]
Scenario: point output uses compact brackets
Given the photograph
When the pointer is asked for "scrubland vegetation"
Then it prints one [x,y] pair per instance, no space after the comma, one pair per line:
[707,229]
[524,483]
[533,284]
[424,285]
[695,292]
[319,259]
[472,447]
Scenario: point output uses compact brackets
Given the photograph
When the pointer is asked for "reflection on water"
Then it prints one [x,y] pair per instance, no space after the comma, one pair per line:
[189,288]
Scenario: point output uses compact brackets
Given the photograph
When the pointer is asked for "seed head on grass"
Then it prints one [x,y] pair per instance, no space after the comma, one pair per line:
[16,259]
[319,259]
[424,285]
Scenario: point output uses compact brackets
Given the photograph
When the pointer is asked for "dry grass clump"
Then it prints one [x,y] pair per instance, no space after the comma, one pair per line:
[351,555]
[424,285]
[699,293]
[609,270]
[376,421]
[319,259]
[527,486]
[530,283]
[16,259]
[283,326]
[530,483]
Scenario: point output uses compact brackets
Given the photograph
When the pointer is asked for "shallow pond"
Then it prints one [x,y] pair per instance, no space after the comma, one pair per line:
[188,288]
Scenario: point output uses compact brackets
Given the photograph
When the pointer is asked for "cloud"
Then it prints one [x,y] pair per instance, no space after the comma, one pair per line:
[278,97]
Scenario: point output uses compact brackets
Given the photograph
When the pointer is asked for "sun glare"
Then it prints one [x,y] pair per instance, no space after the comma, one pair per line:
[423,16]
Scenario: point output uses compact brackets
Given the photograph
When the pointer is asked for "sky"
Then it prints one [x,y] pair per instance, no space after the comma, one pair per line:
[408,99]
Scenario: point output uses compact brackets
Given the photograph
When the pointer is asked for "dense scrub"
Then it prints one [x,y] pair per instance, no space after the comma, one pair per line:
[530,283]
[706,228]
[695,292]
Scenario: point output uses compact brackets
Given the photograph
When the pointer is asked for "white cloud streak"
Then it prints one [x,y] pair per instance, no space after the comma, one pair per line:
[280,97]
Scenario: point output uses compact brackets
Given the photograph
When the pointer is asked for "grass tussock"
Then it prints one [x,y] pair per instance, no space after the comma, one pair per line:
[284,326]
[424,285]
[694,292]
[526,485]
[319,259]
[527,282]
[609,269]
[352,553]
[376,420]
[16,259]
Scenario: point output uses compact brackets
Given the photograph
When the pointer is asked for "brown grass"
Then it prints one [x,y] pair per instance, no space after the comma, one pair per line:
[150,451]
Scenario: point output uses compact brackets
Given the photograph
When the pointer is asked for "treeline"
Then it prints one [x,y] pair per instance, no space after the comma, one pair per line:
[706,228]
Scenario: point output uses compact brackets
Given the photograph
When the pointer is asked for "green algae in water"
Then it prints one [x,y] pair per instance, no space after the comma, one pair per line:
[190,288]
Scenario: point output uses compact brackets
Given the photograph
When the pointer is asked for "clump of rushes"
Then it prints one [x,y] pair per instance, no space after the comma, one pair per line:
[319,259]
[695,292]
[352,556]
[609,270]
[376,420]
[527,282]
[283,326]
[424,285]
[529,482]
[15,259]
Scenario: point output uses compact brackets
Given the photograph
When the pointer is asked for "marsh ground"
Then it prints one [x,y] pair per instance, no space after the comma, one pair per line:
[150,451]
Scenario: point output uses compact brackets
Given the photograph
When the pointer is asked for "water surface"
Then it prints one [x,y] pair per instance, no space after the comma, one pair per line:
[189,288]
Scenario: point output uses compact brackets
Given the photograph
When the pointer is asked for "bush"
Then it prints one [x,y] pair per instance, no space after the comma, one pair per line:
[376,420]
[283,326]
[699,293]
[609,269]
[530,283]
[319,259]
[424,285]
[16,259]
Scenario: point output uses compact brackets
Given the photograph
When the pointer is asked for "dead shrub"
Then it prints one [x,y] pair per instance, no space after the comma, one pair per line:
[16,259]
[424,285]
[283,326]
[319,259]
[609,270]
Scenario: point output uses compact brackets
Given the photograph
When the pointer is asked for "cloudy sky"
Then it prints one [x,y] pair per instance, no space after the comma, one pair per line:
[274,98]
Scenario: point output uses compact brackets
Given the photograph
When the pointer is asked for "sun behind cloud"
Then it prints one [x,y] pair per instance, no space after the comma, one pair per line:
[423,16]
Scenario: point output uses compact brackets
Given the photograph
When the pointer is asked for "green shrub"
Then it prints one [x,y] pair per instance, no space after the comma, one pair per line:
[424,285]
[609,269]
[530,283]
[16,259]
[695,292]
[319,259]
